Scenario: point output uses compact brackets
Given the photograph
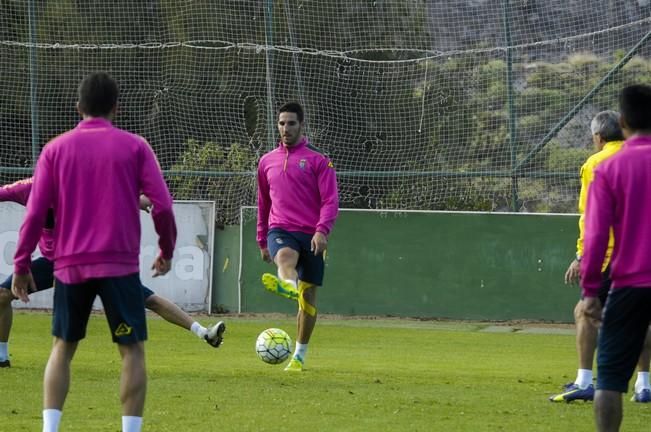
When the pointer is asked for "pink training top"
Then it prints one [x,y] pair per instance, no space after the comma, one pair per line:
[297,191]
[620,197]
[92,176]
[18,192]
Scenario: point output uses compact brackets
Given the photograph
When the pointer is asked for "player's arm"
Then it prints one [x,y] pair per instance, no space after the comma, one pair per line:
[17,192]
[327,184]
[40,201]
[573,272]
[154,187]
[264,207]
[599,218]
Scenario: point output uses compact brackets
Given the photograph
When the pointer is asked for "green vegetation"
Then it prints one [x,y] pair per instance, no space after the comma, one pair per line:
[388,86]
[397,375]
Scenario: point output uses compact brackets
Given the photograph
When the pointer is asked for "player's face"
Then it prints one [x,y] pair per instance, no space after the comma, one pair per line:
[290,128]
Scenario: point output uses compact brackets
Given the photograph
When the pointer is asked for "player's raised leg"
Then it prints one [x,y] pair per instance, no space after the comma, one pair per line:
[6,320]
[171,313]
[286,259]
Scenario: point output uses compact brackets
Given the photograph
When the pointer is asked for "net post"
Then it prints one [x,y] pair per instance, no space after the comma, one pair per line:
[506,17]
[33,88]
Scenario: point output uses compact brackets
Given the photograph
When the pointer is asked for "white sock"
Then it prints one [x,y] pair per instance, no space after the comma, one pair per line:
[198,329]
[131,424]
[583,378]
[4,351]
[300,351]
[642,381]
[51,420]
[290,281]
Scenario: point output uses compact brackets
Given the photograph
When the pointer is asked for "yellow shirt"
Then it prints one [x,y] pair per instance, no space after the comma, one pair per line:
[587,175]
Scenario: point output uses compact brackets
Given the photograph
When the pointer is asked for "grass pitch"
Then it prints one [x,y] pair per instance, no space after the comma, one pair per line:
[361,375]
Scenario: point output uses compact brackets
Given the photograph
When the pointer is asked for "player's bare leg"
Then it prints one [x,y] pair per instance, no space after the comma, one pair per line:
[171,313]
[286,260]
[608,410]
[133,384]
[587,330]
[286,284]
[6,320]
[56,382]
[306,321]
[586,337]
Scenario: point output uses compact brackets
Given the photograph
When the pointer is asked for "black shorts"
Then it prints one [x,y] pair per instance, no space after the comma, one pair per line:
[146,292]
[42,271]
[124,306]
[310,267]
[626,318]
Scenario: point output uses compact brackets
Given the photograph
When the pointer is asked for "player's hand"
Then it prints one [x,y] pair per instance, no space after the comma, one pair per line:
[319,243]
[592,309]
[573,273]
[145,203]
[161,266]
[266,256]
[22,285]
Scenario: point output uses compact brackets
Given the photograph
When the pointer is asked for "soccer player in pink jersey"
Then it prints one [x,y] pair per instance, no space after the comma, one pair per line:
[42,270]
[91,177]
[297,207]
[620,200]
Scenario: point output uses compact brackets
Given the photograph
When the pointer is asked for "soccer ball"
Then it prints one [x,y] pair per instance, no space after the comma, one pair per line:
[273,346]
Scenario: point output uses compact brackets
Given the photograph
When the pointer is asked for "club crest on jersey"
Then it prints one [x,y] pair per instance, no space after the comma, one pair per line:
[279,241]
[301,164]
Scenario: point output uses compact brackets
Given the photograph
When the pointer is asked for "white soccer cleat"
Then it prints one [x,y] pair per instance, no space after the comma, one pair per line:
[215,334]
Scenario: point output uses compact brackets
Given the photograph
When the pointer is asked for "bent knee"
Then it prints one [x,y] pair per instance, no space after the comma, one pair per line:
[580,315]
[579,312]
[152,303]
[286,255]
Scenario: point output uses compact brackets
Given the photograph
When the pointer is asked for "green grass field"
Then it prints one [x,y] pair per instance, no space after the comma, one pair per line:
[362,375]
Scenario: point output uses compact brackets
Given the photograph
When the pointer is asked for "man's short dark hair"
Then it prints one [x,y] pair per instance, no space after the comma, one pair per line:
[293,107]
[98,94]
[635,107]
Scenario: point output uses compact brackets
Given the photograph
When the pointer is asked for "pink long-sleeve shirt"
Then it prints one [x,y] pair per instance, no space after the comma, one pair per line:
[297,191]
[18,192]
[620,197]
[92,176]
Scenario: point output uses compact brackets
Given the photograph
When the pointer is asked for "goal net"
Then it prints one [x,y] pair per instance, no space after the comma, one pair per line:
[451,104]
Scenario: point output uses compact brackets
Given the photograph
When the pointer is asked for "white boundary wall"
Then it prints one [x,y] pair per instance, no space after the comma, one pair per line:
[188,284]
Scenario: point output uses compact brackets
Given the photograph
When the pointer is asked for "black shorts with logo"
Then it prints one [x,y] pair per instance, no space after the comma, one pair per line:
[310,267]
[123,301]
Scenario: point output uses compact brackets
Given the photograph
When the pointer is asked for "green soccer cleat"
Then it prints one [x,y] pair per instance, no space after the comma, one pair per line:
[294,365]
[278,286]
